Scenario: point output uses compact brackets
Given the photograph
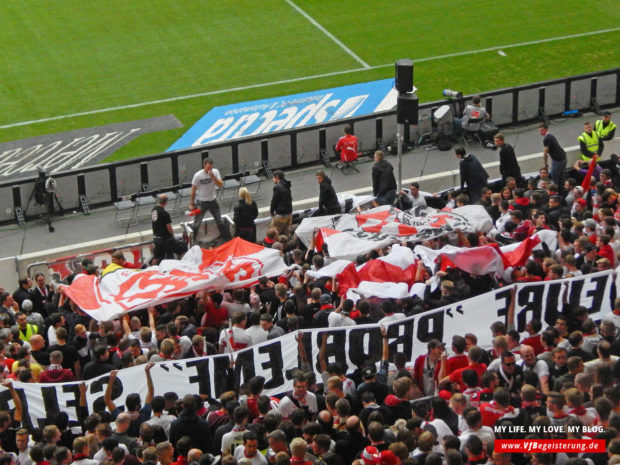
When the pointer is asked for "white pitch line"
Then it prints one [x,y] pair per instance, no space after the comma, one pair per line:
[299,79]
[520,44]
[329,34]
[183,97]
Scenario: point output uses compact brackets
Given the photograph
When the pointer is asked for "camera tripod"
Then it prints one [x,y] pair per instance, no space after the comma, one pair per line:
[46,198]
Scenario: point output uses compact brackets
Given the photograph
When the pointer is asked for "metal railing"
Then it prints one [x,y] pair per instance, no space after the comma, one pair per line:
[104,184]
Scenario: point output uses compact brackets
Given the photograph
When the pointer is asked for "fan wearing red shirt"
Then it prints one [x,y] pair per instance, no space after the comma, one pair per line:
[215,315]
[427,367]
[604,249]
[347,146]
[533,328]
[459,359]
[497,408]
[475,355]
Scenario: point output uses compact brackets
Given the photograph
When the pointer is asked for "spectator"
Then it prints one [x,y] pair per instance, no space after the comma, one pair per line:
[56,373]
[472,173]
[203,195]
[190,424]
[281,203]
[383,181]
[346,147]
[508,164]
[328,200]
[249,450]
[244,215]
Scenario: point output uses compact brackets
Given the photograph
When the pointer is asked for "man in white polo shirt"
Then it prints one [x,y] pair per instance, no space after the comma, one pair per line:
[204,185]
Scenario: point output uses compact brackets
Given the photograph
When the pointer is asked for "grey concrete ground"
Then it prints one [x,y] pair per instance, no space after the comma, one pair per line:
[438,170]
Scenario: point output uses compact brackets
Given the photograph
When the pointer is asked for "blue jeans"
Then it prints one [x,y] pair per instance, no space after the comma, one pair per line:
[556,173]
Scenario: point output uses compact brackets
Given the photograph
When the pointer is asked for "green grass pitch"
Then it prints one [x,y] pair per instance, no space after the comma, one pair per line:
[68,57]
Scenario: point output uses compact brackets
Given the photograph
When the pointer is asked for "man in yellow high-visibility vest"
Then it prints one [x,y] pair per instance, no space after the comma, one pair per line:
[605,129]
[589,142]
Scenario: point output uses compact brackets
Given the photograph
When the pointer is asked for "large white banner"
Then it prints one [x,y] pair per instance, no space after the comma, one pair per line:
[277,359]
[236,263]
[348,236]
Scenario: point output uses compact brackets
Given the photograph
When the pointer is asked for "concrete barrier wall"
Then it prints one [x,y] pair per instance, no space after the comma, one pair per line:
[8,275]
[431,183]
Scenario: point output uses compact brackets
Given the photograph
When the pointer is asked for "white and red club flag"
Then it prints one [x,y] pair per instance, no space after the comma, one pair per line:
[236,263]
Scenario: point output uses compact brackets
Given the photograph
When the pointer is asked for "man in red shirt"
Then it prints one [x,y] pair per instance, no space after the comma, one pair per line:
[346,146]
[427,367]
[459,359]
[497,408]
[533,328]
[56,373]
[475,356]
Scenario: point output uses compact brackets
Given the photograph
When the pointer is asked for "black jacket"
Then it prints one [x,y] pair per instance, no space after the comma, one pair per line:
[472,173]
[282,201]
[328,200]
[508,165]
[245,214]
[383,180]
[190,424]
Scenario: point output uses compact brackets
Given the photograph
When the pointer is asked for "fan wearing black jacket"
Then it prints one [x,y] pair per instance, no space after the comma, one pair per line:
[383,181]
[281,208]
[244,215]
[328,200]
[472,174]
[508,164]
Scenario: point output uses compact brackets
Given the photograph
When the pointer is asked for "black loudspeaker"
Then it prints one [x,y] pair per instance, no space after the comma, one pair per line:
[407,109]
[404,76]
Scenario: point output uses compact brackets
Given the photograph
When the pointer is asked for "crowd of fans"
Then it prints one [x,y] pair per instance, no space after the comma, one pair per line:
[441,407]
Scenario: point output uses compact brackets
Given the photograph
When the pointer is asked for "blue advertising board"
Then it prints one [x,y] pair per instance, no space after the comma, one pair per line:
[293,111]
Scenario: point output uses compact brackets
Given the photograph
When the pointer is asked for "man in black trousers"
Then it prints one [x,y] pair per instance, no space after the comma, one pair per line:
[472,174]
[508,165]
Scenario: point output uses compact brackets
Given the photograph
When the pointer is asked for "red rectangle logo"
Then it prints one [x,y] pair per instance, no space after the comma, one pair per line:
[550,445]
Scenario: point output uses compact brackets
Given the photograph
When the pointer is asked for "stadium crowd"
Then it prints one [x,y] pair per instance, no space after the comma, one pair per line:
[441,407]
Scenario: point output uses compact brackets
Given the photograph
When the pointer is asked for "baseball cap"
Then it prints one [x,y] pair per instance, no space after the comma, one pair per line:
[434,343]
[369,370]
[325,299]
[581,202]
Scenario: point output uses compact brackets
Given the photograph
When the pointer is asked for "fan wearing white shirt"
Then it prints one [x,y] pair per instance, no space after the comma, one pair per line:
[203,196]
[340,316]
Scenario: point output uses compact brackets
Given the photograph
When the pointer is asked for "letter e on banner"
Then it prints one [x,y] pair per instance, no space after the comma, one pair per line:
[274,363]
[202,376]
[244,367]
[529,300]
